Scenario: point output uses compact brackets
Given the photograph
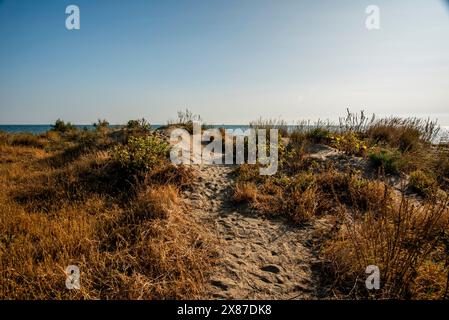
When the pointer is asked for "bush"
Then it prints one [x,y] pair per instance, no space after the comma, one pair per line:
[409,139]
[301,205]
[318,135]
[349,143]
[101,124]
[422,183]
[297,198]
[141,125]
[61,126]
[351,189]
[298,138]
[302,196]
[386,159]
[141,154]
[406,134]
[245,192]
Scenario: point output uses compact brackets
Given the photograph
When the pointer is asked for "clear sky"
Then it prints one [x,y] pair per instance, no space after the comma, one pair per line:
[231,61]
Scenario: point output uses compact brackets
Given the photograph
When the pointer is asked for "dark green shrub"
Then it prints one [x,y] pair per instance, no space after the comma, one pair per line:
[61,126]
[139,125]
[386,159]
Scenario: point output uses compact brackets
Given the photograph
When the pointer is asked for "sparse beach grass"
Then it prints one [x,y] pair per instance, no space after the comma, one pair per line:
[96,200]
[110,202]
[360,178]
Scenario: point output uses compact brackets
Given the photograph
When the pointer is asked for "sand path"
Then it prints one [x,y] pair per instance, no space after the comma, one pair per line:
[259,258]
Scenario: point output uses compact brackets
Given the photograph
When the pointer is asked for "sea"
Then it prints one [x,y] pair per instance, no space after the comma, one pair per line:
[38,128]
[42,128]
[443,135]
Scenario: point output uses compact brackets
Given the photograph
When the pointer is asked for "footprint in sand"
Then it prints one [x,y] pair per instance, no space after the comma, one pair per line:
[251,249]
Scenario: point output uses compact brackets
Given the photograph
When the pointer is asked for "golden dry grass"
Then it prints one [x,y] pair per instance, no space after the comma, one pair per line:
[245,192]
[131,239]
[372,222]
[404,240]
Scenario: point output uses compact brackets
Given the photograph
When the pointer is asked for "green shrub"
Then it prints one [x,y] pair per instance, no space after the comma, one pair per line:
[318,135]
[101,124]
[141,154]
[422,183]
[381,134]
[139,125]
[61,126]
[386,159]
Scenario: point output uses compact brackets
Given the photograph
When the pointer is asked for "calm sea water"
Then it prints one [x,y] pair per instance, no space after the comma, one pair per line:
[36,128]
[41,128]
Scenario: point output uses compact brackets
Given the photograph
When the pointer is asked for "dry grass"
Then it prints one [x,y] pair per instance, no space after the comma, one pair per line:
[245,192]
[27,140]
[442,163]
[375,225]
[303,196]
[372,222]
[423,184]
[91,199]
[131,238]
[402,239]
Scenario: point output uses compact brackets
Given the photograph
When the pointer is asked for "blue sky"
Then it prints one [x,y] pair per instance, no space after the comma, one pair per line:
[231,61]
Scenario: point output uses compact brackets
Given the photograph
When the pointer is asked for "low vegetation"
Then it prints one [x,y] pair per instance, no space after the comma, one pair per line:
[141,154]
[107,201]
[185,120]
[277,124]
[423,184]
[365,190]
[407,242]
